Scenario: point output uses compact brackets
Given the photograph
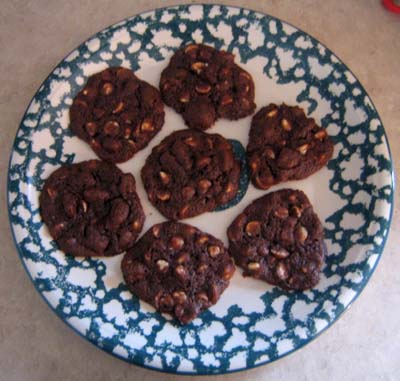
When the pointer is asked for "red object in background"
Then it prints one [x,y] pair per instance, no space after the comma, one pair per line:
[392,6]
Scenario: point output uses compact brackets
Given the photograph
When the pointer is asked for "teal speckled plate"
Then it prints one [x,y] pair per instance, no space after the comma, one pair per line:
[253,323]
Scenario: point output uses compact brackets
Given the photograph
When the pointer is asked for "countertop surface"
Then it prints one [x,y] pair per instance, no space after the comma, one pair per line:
[36,345]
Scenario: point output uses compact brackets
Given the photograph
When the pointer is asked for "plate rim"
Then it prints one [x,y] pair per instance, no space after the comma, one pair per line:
[169,370]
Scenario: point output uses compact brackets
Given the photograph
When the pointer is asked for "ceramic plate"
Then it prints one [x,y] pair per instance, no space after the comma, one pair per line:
[253,323]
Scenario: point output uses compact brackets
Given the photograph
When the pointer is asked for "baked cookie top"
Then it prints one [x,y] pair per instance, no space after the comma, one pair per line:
[178,269]
[189,173]
[285,145]
[204,84]
[91,209]
[117,114]
[278,238]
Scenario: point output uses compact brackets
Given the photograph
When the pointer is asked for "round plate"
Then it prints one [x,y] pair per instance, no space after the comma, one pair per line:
[253,323]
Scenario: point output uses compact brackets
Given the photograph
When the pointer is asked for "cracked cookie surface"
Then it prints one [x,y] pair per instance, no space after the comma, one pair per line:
[278,238]
[189,173]
[92,209]
[178,269]
[117,114]
[285,145]
[204,84]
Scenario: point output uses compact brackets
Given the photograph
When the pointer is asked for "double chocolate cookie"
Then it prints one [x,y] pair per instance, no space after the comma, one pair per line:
[178,269]
[279,238]
[285,145]
[117,114]
[190,173]
[91,209]
[204,84]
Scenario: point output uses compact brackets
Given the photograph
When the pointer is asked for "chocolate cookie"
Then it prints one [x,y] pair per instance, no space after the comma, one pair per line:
[204,84]
[285,145]
[190,173]
[117,114]
[178,269]
[91,209]
[279,238]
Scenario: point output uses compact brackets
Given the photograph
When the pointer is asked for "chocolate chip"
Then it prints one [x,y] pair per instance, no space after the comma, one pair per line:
[184,97]
[214,251]
[184,212]
[253,228]
[166,303]
[204,185]
[162,265]
[226,100]
[163,196]
[57,229]
[91,128]
[107,88]
[213,293]
[198,67]
[303,149]
[181,273]
[119,213]
[202,240]
[321,134]
[127,133]
[190,49]
[296,211]
[281,271]
[272,113]
[191,141]
[179,297]
[301,233]
[202,268]
[203,88]
[281,212]
[279,252]
[203,162]
[202,298]
[127,184]
[165,177]
[285,124]
[84,206]
[269,153]
[111,128]
[137,225]
[52,193]
[183,258]
[253,266]
[156,231]
[229,270]
[188,193]
[177,242]
[147,126]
